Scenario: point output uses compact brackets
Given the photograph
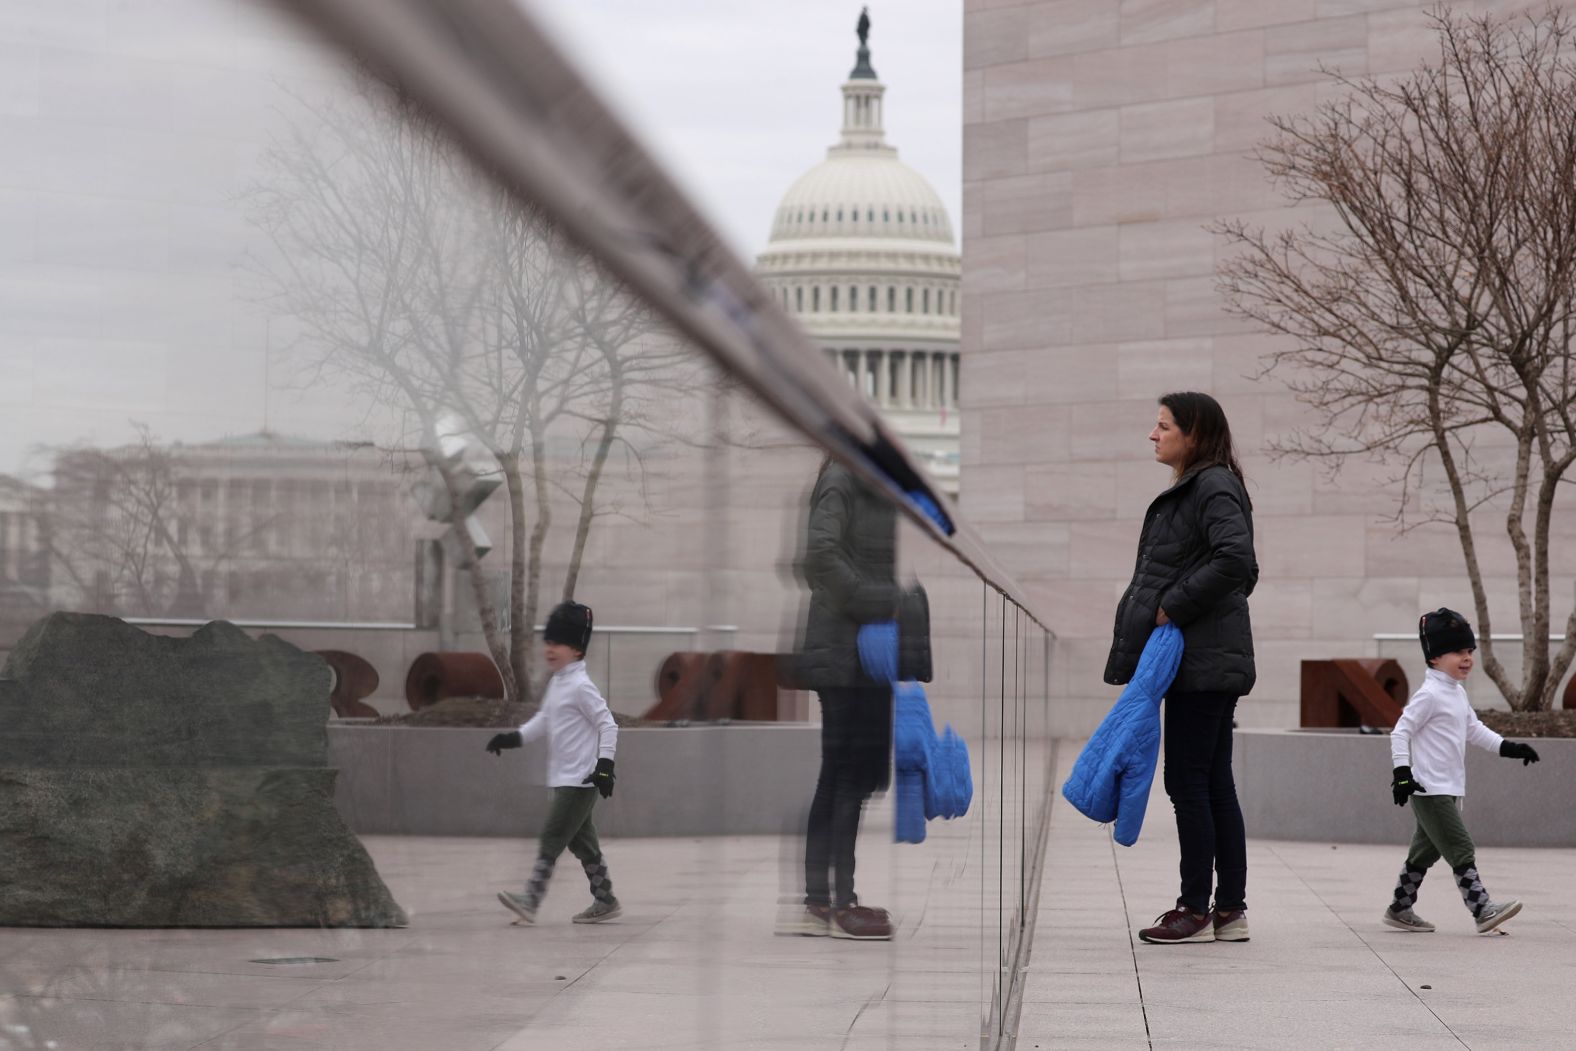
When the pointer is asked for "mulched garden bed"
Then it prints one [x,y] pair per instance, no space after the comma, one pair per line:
[1561,722]
[479,712]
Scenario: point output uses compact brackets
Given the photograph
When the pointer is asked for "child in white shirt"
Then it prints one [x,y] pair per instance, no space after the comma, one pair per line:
[581,740]
[1428,750]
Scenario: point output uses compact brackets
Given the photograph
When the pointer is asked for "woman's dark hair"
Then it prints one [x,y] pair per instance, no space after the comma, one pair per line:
[1201,418]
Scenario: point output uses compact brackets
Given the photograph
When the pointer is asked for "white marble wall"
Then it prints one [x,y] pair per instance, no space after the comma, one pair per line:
[1101,138]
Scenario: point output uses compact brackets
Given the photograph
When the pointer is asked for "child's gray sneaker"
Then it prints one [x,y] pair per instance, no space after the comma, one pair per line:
[518,905]
[1493,915]
[599,912]
[1406,920]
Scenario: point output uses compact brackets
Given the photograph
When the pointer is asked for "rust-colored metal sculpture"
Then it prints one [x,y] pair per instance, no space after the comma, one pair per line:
[354,678]
[742,686]
[434,676]
[678,685]
[730,684]
[1365,691]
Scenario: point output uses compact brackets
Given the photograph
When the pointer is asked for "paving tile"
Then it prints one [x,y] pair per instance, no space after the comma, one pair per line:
[903,1021]
[376,1027]
[910,1043]
[107,1025]
[1233,1022]
[1080,1025]
[140,986]
[1081,987]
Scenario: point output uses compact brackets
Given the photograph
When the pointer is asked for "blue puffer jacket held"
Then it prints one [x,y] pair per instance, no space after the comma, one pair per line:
[1111,779]
[933,777]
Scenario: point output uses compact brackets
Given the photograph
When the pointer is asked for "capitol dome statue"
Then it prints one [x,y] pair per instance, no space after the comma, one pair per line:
[862,252]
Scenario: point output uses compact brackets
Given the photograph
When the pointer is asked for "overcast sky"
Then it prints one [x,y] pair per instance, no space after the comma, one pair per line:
[740,98]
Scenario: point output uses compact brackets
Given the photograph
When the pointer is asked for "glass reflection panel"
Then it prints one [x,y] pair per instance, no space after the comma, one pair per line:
[281,356]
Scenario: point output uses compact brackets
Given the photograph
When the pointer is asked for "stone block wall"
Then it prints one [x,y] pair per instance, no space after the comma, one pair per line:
[1101,139]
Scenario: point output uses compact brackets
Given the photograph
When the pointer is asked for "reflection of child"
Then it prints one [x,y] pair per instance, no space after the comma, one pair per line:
[1428,749]
[580,734]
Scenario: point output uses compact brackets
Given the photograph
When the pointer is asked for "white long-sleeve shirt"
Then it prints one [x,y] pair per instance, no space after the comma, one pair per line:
[577,724]
[1433,732]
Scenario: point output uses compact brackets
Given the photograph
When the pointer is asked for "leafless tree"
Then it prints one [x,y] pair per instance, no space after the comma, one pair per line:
[446,298]
[1432,321]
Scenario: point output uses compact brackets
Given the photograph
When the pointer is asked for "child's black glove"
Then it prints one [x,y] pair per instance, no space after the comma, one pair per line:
[1402,785]
[601,777]
[1517,750]
[512,739]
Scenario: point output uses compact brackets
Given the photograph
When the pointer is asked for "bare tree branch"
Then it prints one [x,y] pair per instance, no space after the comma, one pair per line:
[1439,312]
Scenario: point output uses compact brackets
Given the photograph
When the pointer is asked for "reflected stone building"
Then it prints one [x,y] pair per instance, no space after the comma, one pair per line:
[862,253]
[24,555]
[259,526]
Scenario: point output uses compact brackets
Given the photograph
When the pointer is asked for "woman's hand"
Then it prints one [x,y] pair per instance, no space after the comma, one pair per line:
[1161,618]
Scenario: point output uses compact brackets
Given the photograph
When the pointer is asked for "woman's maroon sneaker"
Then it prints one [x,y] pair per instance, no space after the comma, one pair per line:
[1178,926]
[862,924]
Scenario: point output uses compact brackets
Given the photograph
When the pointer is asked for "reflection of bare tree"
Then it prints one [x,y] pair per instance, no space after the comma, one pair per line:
[446,299]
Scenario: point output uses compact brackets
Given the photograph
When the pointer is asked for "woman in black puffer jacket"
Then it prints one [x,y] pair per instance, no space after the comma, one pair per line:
[1196,568]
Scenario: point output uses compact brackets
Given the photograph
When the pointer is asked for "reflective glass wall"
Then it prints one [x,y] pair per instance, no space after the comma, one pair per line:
[309,425]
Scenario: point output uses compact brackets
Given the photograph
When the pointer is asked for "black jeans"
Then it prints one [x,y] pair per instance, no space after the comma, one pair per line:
[856,744]
[1209,818]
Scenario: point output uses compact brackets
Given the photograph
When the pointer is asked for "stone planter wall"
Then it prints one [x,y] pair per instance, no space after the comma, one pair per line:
[1310,785]
[738,779]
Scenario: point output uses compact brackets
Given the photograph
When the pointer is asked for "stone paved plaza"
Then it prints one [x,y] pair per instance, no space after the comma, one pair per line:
[694,963]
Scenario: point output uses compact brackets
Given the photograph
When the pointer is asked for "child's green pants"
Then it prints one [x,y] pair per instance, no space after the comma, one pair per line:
[569,825]
[1440,833]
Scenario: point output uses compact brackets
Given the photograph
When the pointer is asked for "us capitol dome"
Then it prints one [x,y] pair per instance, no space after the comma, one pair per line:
[861,251]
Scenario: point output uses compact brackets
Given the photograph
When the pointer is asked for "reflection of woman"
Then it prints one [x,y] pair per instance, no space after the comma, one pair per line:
[850,563]
[1196,568]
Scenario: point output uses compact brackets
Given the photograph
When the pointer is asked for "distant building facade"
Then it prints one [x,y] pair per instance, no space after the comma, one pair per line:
[25,569]
[260,526]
